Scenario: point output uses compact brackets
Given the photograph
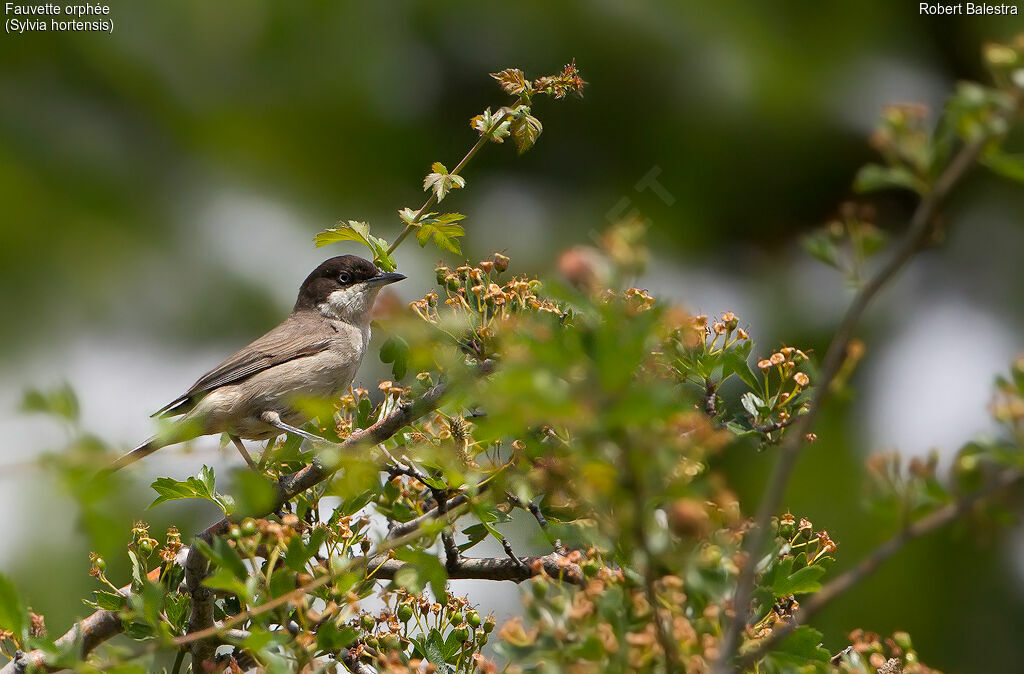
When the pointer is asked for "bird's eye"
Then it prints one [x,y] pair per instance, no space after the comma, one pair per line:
[344,277]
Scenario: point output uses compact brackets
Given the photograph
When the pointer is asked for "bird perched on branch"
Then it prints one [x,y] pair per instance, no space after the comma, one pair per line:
[313,354]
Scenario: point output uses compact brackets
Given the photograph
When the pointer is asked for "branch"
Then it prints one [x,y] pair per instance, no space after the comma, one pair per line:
[516,569]
[90,632]
[103,625]
[453,509]
[867,566]
[201,616]
[921,225]
[484,137]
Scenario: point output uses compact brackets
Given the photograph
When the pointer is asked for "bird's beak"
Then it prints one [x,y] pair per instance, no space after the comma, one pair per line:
[384,278]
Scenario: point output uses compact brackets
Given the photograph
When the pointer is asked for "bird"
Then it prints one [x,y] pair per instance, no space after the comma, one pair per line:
[312,354]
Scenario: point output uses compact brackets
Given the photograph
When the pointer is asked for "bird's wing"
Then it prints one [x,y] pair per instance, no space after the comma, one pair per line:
[277,346]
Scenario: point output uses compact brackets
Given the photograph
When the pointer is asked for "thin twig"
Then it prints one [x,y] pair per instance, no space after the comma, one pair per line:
[917,235]
[534,509]
[484,137]
[867,566]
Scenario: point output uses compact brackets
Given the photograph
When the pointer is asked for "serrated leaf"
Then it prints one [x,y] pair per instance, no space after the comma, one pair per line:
[359,232]
[487,123]
[804,642]
[108,601]
[526,129]
[801,581]
[512,81]
[200,486]
[441,182]
[177,607]
[751,403]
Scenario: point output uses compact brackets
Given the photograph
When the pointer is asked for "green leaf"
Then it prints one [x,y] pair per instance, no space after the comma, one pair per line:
[526,129]
[442,182]
[177,606]
[821,246]
[800,581]
[422,567]
[60,402]
[224,556]
[734,361]
[805,643]
[224,579]
[1006,165]
[255,493]
[875,177]
[108,601]
[359,232]
[395,350]
[201,486]
[751,403]
[443,230]
[139,571]
[330,638]
[475,534]
[485,123]
[13,614]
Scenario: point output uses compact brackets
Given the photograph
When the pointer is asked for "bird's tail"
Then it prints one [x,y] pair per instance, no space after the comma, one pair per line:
[140,452]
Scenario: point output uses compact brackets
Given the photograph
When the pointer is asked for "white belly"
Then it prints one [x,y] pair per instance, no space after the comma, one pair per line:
[236,408]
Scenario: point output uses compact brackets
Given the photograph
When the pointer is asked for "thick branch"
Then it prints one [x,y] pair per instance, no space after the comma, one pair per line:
[867,566]
[918,233]
[496,568]
[201,616]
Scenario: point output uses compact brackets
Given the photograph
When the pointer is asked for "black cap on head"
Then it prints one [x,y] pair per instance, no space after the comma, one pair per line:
[333,274]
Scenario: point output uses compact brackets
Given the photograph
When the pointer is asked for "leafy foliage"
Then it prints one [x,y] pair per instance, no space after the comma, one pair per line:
[592,407]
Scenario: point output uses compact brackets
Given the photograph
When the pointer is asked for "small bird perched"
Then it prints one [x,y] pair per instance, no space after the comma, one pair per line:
[313,354]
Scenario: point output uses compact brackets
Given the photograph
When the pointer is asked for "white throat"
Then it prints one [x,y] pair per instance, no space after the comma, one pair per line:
[352,304]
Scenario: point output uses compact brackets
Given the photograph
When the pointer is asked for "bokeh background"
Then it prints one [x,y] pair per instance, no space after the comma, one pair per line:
[160,188]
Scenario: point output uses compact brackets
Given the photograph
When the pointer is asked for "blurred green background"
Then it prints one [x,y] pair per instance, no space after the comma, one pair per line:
[160,188]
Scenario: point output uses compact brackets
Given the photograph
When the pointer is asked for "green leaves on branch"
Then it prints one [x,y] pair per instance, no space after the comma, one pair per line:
[359,232]
[488,124]
[442,229]
[200,486]
[441,182]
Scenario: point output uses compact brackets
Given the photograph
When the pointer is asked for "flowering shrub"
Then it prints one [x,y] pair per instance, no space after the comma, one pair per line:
[596,409]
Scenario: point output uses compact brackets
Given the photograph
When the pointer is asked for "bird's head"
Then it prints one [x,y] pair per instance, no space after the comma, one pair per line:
[344,288]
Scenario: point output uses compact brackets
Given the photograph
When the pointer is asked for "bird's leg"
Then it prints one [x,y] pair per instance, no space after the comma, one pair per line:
[274,419]
[241,450]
